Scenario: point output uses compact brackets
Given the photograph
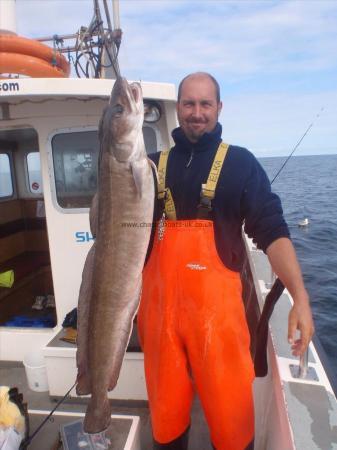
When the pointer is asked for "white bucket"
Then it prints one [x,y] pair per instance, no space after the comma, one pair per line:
[36,372]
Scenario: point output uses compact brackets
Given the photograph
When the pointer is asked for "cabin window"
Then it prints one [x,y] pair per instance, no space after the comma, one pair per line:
[6,181]
[34,172]
[150,140]
[75,158]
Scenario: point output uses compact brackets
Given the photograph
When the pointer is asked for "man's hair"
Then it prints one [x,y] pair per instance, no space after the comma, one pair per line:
[216,84]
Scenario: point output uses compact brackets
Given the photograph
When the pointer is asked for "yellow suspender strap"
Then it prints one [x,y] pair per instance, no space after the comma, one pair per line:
[208,189]
[170,209]
[163,192]
[162,173]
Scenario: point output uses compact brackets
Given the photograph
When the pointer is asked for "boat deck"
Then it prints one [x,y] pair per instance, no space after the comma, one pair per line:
[13,374]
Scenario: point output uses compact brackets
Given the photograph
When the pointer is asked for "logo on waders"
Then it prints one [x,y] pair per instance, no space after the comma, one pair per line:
[195,266]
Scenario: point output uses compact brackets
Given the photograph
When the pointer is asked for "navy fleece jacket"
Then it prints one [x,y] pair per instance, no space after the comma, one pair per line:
[243,194]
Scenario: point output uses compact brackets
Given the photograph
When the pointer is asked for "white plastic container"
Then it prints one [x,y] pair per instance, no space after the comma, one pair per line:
[36,372]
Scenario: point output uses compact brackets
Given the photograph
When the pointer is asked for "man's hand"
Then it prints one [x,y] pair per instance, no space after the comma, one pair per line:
[283,260]
[300,318]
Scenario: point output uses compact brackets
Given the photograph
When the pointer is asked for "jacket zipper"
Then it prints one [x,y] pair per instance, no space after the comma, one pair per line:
[186,176]
[190,160]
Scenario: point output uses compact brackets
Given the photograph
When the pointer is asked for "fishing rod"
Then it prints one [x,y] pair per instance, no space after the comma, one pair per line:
[26,442]
[298,143]
[260,350]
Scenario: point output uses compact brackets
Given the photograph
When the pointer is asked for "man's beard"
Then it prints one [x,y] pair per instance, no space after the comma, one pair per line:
[195,134]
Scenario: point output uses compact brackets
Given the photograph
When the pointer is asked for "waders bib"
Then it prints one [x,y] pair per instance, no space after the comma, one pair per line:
[193,332]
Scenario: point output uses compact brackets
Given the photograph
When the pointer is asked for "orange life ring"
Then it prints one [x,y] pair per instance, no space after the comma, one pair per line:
[28,65]
[29,48]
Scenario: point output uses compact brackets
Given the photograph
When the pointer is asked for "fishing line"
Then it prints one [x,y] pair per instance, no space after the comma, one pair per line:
[260,354]
[27,441]
[298,143]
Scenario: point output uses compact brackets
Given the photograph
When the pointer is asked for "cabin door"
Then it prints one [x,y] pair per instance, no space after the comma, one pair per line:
[26,286]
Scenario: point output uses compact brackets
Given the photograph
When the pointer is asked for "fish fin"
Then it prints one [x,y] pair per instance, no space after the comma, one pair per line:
[93,215]
[154,168]
[83,386]
[127,325]
[137,168]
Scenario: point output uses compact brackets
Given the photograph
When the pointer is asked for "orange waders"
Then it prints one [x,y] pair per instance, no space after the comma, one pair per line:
[194,335]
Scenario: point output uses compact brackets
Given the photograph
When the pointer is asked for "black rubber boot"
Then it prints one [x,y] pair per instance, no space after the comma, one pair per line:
[181,443]
[250,446]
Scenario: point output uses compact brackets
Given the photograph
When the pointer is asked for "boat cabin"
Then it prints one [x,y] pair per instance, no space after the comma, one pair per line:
[48,174]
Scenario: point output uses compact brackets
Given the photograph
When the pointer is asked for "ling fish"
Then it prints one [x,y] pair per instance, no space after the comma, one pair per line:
[121,212]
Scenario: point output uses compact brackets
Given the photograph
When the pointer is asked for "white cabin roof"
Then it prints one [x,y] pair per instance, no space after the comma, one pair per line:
[18,89]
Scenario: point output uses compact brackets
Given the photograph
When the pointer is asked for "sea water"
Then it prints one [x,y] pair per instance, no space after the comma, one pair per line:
[307,187]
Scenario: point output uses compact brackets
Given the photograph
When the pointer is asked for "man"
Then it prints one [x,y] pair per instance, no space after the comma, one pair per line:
[191,319]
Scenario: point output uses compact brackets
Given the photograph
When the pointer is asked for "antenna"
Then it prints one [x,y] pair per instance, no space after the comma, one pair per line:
[298,143]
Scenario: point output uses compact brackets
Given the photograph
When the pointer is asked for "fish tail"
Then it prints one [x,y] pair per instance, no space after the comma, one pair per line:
[97,417]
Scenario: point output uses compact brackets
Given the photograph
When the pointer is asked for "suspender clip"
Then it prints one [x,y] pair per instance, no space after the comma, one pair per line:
[162,195]
[205,202]
[206,197]
[205,205]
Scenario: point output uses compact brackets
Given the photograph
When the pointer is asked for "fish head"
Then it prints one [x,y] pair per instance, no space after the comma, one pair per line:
[123,119]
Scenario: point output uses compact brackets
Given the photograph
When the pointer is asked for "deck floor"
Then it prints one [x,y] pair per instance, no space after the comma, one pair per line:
[13,374]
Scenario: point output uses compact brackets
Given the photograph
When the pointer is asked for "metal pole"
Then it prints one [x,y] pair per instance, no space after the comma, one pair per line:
[61,36]
[115,13]
[303,367]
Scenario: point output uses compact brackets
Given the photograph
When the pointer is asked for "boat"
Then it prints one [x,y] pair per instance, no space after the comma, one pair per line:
[48,164]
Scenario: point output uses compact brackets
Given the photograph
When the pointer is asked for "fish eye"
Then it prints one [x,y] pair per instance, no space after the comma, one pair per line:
[117,110]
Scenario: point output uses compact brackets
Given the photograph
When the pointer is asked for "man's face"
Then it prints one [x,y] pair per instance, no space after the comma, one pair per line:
[198,109]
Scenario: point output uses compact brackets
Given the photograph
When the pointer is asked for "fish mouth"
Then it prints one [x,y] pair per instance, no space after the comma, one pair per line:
[125,97]
[135,91]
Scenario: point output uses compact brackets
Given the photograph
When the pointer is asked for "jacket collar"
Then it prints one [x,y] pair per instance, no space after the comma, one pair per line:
[206,142]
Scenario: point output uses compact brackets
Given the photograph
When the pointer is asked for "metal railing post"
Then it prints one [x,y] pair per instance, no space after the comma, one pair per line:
[303,367]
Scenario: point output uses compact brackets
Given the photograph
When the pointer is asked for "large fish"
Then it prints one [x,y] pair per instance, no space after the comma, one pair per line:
[120,218]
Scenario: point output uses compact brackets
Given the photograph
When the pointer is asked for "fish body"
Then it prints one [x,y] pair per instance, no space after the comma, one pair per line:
[120,218]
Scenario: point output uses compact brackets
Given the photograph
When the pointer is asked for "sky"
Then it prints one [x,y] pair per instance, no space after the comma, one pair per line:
[276,61]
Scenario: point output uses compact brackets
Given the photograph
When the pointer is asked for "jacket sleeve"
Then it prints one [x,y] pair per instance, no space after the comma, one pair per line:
[261,208]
